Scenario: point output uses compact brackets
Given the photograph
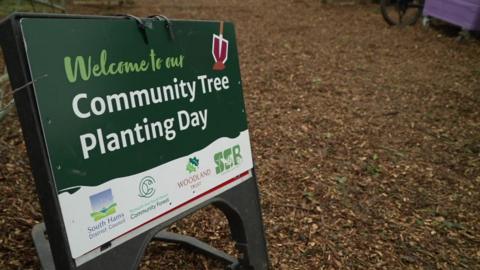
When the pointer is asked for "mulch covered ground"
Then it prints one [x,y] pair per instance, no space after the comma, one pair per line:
[366,140]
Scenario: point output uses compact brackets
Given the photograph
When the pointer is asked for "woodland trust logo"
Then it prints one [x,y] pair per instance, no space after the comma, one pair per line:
[102,205]
[228,159]
[192,165]
[195,176]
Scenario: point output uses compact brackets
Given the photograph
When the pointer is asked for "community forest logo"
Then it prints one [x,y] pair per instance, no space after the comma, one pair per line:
[146,187]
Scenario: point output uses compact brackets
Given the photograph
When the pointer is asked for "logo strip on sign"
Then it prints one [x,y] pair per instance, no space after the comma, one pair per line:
[167,215]
[235,179]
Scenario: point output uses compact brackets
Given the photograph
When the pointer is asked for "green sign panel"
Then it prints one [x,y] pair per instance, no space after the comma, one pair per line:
[138,127]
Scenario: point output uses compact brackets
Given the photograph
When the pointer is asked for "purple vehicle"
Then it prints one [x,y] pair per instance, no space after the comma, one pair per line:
[464,13]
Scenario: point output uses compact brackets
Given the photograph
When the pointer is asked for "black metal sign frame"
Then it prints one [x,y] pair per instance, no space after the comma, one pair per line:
[240,204]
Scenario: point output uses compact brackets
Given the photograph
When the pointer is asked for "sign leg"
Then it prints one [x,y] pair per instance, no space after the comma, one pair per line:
[241,205]
[43,247]
[194,243]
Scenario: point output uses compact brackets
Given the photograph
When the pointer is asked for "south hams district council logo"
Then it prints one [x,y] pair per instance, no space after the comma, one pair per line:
[102,205]
[219,50]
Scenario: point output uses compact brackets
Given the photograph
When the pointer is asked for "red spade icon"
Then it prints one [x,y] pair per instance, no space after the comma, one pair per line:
[219,50]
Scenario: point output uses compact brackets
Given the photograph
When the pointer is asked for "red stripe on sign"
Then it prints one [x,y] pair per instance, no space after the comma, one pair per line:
[189,201]
[185,203]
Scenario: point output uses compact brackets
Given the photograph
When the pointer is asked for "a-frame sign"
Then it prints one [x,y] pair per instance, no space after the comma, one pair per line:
[132,124]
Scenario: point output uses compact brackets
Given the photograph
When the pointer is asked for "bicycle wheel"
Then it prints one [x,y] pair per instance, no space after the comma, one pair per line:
[401,12]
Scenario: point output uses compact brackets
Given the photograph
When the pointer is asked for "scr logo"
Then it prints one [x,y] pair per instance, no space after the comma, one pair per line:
[227,159]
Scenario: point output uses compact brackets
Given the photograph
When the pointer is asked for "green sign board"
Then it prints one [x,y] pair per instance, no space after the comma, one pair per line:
[139,127]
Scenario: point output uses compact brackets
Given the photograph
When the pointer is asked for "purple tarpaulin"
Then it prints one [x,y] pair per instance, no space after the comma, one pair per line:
[464,13]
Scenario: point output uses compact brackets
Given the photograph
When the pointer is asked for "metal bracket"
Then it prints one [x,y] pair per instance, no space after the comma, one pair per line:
[140,24]
[168,24]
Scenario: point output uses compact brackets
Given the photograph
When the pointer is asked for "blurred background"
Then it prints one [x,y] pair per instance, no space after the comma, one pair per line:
[365,134]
